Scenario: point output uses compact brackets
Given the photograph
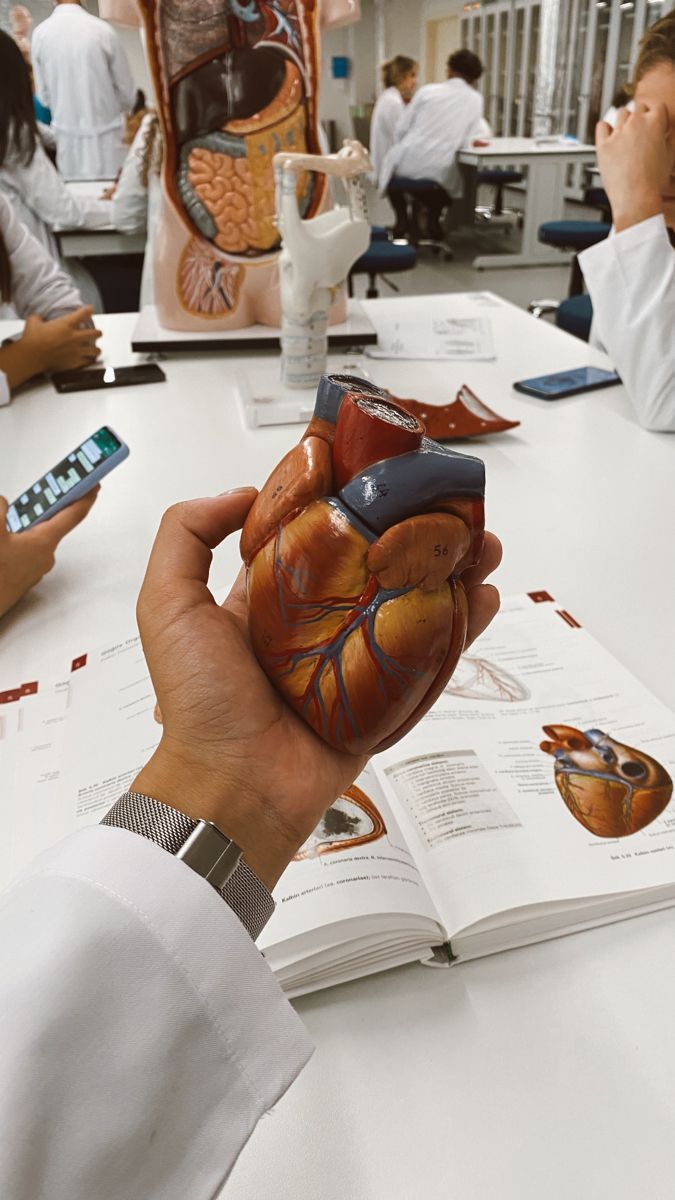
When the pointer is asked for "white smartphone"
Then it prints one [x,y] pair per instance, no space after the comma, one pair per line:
[70,479]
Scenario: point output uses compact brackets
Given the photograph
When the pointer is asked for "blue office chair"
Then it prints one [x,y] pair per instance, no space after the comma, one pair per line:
[409,199]
[499,178]
[383,257]
[575,236]
[575,315]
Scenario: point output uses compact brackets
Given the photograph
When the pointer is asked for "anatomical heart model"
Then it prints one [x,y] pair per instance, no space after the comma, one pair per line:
[611,789]
[355,549]
[236,82]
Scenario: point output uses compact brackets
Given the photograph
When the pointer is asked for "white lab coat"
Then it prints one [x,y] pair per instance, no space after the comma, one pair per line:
[386,114]
[143,1033]
[135,206]
[41,200]
[39,285]
[631,280]
[440,119]
[82,75]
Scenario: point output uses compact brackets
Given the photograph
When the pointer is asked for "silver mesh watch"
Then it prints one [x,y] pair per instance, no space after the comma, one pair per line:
[201,846]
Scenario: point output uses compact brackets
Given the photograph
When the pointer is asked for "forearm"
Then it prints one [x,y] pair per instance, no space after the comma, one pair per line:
[631,280]
[183,1037]
[19,363]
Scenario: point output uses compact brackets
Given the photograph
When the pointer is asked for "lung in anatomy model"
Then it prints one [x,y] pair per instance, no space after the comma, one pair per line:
[236,82]
[355,549]
[611,789]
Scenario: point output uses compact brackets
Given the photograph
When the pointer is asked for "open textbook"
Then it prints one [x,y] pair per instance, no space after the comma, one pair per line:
[532,801]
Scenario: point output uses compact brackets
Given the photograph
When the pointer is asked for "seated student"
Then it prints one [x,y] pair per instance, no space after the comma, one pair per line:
[136,195]
[28,178]
[631,275]
[440,119]
[58,335]
[144,1034]
[399,79]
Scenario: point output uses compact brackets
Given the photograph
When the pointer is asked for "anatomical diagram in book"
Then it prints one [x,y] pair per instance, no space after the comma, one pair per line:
[353,820]
[480,679]
[613,790]
[355,549]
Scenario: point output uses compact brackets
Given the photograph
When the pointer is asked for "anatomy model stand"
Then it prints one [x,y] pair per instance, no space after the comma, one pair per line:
[355,549]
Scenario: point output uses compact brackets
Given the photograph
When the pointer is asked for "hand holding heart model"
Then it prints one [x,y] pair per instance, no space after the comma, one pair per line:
[355,549]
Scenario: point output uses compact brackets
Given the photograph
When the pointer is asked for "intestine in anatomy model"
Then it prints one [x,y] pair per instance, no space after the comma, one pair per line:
[611,789]
[236,82]
[355,549]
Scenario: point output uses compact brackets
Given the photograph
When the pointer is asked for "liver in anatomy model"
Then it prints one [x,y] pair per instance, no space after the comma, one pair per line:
[611,789]
[354,550]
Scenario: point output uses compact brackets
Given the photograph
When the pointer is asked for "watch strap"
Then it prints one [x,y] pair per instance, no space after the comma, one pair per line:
[169,828]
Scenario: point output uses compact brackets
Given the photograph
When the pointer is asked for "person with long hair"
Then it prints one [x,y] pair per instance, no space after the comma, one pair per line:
[631,275]
[399,80]
[29,180]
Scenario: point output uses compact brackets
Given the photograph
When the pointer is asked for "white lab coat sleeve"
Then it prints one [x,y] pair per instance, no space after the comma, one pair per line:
[631,281]
[120,74]
[39,285]
[130,201]
[48,196]
[143,1033]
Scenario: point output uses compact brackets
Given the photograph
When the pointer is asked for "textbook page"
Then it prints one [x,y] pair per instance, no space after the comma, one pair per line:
[477,798]
[355,866]
[112,730]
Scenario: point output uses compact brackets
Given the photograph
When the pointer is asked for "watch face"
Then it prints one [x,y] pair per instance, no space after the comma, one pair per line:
[351,821]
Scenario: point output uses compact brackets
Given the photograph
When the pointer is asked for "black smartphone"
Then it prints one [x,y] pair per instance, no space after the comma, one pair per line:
[93,378]
[567,383]
[68,480]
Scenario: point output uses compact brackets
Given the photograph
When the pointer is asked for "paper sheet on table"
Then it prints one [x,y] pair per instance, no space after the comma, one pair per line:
[439,337]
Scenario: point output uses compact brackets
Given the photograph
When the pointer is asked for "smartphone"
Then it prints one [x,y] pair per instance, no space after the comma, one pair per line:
[567,383]
[70,479]
[93,378]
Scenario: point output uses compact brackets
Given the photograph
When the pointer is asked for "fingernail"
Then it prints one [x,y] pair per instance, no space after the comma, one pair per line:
[236,491]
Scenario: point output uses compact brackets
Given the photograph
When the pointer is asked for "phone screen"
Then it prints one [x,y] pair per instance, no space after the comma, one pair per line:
[580,379]
[44,494]
[94,378]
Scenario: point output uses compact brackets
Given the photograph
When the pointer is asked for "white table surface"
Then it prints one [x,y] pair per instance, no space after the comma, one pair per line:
[544,1072]
[80,243]
[544,193]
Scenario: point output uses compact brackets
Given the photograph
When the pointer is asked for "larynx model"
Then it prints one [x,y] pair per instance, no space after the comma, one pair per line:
[316,255]
[355,549]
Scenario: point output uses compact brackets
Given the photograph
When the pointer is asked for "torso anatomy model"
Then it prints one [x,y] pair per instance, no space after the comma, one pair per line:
[236,82]
[355,549]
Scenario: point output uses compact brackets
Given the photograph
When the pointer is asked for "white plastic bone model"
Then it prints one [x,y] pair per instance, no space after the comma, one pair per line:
[316,255]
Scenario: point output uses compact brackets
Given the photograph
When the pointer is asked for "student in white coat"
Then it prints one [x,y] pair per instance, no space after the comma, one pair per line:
[440,119]
[136,196]
[399,80]
[144,1035]
[82,75]
[631,275]
[28,178]
[58,336]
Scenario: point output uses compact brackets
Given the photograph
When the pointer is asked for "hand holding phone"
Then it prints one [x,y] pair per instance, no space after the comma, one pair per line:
[71,479]
[567,383]
[24,560]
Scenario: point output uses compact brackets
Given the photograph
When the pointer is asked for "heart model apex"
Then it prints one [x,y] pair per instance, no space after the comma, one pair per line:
[355,549]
